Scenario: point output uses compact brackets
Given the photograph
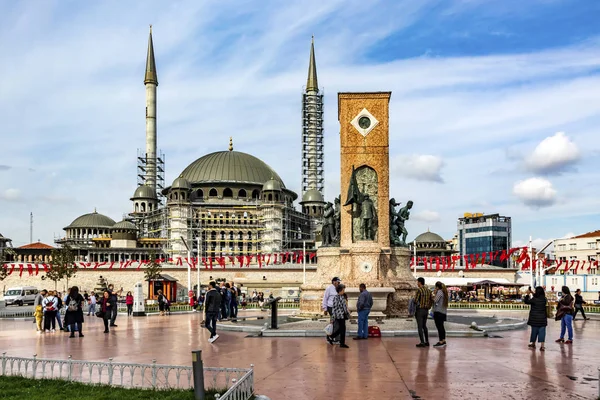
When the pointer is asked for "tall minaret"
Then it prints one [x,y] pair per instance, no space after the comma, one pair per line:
[312,130]
[151,82]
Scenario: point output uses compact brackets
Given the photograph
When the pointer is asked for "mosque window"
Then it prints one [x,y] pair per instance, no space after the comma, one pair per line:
[175,196]
[242,193]
[212,193]
[143,207]
[270,197]
[227,192]
[199,194]
[137,207]
[255,194]
[227,217]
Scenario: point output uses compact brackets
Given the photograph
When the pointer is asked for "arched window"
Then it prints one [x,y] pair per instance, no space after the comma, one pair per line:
[242,193]
[222,235]
[227,193]
[255,194]
[199,194]
[276,197]
[240,235]
[144,207]
[175,194]
[227,217]
[137,207]
[213,236]
[249,235]
[231,235]
[212,193]
[150,207]
[270,197]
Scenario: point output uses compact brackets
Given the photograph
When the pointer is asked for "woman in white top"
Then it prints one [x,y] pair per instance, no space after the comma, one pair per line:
[50,306]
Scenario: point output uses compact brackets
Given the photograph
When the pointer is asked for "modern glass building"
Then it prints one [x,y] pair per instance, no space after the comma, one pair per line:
[479,233]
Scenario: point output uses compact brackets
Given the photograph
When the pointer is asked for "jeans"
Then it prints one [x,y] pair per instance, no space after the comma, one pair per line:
[92,309]
[113,317]
[566,324]
[340,329]
[233,309]
[363,323]
[60,325]
[223,311]
[76,327]
[439,319]
[578,308]
[211,323]
[129,309]
[538,332]
[421,316]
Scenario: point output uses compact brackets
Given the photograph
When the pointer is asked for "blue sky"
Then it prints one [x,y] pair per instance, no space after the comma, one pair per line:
[494,103]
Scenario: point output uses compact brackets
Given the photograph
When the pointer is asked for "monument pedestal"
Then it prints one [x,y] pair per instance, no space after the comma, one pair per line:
[385,272]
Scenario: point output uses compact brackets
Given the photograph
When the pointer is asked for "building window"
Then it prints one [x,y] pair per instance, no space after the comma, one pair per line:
[227,193]
[591,245]
[242,193]
[212,193]
[572,246]
[255,194]
[562,247]
[199,194]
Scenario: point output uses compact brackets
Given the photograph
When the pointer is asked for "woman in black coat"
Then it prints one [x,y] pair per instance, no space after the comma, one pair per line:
[74,314]
[537,316]
[106,309]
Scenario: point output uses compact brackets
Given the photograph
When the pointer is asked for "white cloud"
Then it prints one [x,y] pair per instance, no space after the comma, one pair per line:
[11,195]
[420,167]
[553,154]
[427,216]
[535,192]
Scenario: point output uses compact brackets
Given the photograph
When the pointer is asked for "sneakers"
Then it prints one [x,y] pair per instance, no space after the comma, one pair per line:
[344,346]
[423,345]
[440,344]
[212,339]
[81,335]
[330,340]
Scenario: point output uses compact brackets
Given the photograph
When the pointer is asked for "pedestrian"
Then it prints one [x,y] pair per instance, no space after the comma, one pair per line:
[579,302]
[59,299]
[538,319]
[233,300]
[38,308]
[340,314]
[114,305]
[86,296]
[92,304]
[327,304]
[162,301]
[194,302]
[564,314]
[50,305]
[244,303]
[74,312]
[225,295]
[423,301]
[440,310]
[212,306]
[129,303]
[363,306]
[106,305]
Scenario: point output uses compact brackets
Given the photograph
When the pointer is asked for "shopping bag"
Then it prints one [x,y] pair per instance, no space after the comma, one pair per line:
[329,329]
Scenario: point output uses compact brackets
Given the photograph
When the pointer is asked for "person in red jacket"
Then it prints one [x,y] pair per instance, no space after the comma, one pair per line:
[129,302]
[194,302]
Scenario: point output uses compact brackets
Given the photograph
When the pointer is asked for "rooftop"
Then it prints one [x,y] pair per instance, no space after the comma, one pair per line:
[588,235]
[37,245]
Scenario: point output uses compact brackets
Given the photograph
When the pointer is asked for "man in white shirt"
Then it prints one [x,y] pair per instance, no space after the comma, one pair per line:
[330,293]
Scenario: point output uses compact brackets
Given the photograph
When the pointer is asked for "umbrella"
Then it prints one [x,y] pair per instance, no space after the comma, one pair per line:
[454,289]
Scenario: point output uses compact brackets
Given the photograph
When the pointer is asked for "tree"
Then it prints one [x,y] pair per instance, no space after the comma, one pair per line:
[4,258]
[153,270]
[62,265]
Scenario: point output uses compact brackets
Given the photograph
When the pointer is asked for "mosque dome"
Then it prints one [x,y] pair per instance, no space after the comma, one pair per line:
[181,183]
[312,196]
[428,237]
[272,185]
[144,192]
[124,225]
[92,220]
[230,167]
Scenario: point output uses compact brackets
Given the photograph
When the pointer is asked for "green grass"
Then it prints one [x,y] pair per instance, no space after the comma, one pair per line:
[18,388]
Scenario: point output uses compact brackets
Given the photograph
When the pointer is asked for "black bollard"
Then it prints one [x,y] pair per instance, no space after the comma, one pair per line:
[274,312]
[198,371]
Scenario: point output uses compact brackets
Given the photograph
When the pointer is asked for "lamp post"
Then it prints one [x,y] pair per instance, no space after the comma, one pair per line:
[415,257]
[189,269]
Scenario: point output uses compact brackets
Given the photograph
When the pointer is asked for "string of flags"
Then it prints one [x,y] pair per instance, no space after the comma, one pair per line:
[223,262]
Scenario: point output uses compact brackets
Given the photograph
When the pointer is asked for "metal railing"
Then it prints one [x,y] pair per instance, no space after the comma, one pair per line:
[239,382]
[509,306]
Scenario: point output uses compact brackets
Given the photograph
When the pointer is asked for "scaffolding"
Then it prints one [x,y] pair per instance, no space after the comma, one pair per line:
[143,163]
[312,142]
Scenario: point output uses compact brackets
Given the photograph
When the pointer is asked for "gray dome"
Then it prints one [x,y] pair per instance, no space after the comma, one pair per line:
[429,237]
[125,225]
[92,220]
[312,196]
[181,183]
[272,185]
[230,166]
[144,192]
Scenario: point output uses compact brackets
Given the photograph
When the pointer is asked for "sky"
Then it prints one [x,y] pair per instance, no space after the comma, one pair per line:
[495,105]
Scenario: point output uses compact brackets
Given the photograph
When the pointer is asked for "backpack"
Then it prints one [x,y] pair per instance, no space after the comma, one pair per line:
[50,306]
[73,306]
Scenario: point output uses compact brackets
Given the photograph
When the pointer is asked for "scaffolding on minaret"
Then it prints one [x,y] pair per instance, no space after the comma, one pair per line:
[312,131]
[142,171]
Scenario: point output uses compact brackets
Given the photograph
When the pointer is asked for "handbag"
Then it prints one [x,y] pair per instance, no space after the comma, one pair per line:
[100,314]
[329,329]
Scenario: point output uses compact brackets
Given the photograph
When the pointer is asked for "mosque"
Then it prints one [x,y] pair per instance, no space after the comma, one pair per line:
[224,204]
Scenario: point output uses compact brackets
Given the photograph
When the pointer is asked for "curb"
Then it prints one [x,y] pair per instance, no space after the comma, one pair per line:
[320,333]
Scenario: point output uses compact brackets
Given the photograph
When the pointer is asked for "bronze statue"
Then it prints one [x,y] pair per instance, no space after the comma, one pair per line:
[367,216]
[403,216]
[394,237]
[354,196]
[327,232]
[337,215]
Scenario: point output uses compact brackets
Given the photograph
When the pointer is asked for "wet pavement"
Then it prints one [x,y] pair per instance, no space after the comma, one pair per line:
[309,368]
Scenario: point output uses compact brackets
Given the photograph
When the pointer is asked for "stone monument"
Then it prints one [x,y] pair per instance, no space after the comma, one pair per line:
[365,253]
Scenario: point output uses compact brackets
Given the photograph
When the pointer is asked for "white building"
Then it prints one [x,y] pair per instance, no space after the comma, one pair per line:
[582,248]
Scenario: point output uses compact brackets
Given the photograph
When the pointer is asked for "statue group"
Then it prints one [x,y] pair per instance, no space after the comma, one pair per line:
[330,233]
[398,232]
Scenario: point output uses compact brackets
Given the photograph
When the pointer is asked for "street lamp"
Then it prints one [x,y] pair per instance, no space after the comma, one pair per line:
[189,268]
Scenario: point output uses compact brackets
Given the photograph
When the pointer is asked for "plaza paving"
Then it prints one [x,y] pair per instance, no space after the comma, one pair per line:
[308,368]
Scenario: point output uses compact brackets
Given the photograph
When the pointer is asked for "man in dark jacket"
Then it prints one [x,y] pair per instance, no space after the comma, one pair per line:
[113,300]
[363,306]
[212,305]
[579,302]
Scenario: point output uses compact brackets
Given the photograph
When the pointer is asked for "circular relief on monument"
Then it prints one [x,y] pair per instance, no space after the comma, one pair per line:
[366,267]
[364,122]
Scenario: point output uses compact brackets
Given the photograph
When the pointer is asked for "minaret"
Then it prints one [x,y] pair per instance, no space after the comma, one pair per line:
[312,130]
[151,82]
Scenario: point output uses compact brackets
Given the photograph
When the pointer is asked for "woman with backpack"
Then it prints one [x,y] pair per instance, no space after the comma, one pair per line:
[50,306]
[74,314]
[564,314]
[538,319]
